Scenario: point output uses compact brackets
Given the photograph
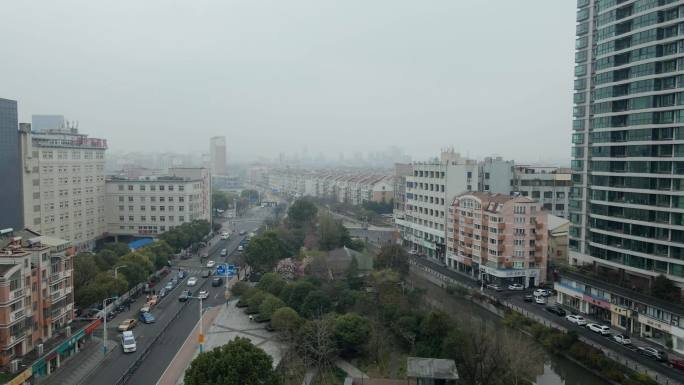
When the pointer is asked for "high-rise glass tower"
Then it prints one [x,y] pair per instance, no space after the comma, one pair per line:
[627,204]
[10,167]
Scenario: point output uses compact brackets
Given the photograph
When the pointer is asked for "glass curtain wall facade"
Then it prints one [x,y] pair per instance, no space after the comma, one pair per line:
[11,214]
[627,203]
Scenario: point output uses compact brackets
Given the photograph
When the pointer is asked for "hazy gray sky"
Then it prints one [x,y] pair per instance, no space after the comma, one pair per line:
[488,77]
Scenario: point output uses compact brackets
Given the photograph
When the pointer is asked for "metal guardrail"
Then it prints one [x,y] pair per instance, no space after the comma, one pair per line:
[138,362]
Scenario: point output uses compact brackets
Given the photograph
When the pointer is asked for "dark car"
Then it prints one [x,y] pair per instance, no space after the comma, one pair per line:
[657,355]
[528,298]
[184,295]
[217,282]
[677,364]
[557,310]
[146,318]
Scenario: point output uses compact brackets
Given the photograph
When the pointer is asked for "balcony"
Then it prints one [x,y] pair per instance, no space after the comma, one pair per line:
[16,294]
[17,315]
[12,340]
[55,277]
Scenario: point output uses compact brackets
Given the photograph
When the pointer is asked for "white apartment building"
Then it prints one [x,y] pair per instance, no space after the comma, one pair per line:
[429,189]
[63,184]
[548,185]
[148,206]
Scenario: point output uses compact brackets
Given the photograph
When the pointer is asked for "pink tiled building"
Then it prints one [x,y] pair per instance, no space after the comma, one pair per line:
[498,238]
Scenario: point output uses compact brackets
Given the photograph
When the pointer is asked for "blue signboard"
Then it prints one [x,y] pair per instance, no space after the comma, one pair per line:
[225,270]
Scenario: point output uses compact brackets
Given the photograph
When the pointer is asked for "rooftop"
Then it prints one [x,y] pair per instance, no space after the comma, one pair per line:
[436,368]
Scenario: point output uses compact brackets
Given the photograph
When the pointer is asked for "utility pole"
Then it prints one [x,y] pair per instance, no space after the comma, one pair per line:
[104,330]
[116,271]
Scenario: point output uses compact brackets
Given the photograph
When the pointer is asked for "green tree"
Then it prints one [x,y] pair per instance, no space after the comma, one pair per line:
[433,330]
[294,293]
[219,200]
[85,269]
[119,248]
[255,300]
[332,233]
[269,306]
[236,363]
[664,288]
[272,283]
[316,304]
[102,286]
[108,258]
[351,332]
[286,320]
[239,288]
[264,251]
[392,257]
[302,212]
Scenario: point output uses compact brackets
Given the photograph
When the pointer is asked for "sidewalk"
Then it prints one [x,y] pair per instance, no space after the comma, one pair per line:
[77,368]
[351,370]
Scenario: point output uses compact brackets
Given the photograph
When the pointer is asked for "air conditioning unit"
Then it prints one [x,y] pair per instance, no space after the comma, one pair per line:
[40,349]
[14,366]
[67,330]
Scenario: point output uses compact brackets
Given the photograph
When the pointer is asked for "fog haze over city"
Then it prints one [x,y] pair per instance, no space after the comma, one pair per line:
[278,77]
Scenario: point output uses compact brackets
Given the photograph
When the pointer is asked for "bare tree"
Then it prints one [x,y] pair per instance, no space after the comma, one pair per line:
[316,343]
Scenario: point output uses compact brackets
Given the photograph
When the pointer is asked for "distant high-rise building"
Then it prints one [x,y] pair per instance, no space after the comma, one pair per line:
[47,122]
[217,154]
[626,206]
[10,167]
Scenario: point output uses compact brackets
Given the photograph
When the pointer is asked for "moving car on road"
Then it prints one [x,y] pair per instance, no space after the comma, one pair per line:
[576,319]
[224,252]
[516,286]
[146,318]
[192,281]
[211,264]
[185,294]
[242,232]
[127,324]
[145,309]
[528,298]
[656,354]
[540,300]
[241,248]
[557,310]
[225,235]
[206,273]
[541,293]
[677,364]
[597,328]
[203,294]
[217,281]
[622,339]
[128,342]
[494,287]
[169,286]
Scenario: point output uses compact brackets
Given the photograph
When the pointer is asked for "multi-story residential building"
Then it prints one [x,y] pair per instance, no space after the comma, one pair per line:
[152,205]
[217,155]
[63,184]
[36,291]
[496,175]
[10,173]
[548,185]
[627,207]
[498,238]
[429,188]
[625,310]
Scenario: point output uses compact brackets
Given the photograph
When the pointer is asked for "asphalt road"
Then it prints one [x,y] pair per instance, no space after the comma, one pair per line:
[162,352]
[516,297]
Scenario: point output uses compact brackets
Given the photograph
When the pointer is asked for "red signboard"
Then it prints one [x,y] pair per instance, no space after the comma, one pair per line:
[89,329]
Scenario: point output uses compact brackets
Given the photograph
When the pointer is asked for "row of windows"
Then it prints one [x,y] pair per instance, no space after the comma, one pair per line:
[639,119]
[637,262]
[426,186]
[631,167]
[152,187]
[642,183]
[154,199]
[64,155]
[628,10]
[642,134]
[639,54]
[429,174]
[640,70]
[153,218]
[638,23]
[658,200]
[153,208]
[647,85]
[655,150]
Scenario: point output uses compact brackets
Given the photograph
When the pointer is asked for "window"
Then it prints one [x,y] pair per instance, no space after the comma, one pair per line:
[130,187]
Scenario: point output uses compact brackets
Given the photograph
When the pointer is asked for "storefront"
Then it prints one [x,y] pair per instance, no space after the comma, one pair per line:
[505,277]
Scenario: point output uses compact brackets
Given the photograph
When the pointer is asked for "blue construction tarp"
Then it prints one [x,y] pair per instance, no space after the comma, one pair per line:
[138,243]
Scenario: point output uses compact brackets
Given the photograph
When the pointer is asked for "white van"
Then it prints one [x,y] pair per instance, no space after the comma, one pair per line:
[128,342]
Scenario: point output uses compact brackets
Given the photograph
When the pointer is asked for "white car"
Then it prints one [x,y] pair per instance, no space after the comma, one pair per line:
[241,248]
[601,329]
[225,235]
[576,319]
[539,300]
[622,339]
[128,342]
[541,293]
[192,281]
[203,294]
[211,264]
[516,286]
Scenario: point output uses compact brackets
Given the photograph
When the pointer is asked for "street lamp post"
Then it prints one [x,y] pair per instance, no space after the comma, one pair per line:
[201,333]
[104,330]
[116,271]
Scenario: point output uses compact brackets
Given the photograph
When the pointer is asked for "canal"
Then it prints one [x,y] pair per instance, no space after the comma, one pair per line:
[554,370]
